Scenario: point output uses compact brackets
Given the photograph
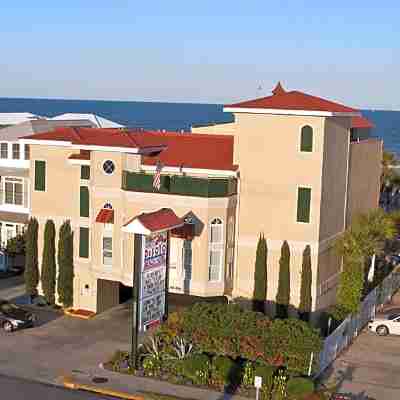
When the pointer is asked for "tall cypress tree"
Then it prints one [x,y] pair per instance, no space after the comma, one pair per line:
[260,275]
[31,259]
[48,271]
[65,282]
[305,290]
[283,294]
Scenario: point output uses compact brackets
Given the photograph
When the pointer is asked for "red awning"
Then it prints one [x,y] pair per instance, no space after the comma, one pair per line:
[186,231]
[157,221]
[105,216]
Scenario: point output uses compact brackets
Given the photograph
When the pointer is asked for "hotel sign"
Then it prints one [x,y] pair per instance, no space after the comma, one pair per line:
[153,275]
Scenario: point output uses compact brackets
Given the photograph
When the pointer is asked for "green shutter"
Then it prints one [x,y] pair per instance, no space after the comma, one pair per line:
[40,175]
[306,139]
[85,172]
[303,204]
[84,201]
[84,242]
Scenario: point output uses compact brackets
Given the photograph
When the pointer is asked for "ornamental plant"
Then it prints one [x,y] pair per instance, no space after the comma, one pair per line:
[65,280]
[260,275]
[31,258]
[48,275]
[305,289]
[283,294]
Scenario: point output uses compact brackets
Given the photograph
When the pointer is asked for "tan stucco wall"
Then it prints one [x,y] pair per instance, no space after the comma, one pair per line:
[219,129]
[364,177]
[271,170]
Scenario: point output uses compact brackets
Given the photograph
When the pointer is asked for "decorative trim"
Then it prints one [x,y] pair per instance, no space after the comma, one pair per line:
[290,112]
[178,170]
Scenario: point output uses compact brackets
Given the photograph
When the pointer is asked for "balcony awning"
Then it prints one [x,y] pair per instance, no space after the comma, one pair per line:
[186,231]
[105,216]
[158,221]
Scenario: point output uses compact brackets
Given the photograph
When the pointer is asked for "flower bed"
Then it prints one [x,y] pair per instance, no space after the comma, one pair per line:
[223,347]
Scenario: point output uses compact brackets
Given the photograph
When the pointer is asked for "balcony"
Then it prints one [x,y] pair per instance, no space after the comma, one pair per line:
[180,185]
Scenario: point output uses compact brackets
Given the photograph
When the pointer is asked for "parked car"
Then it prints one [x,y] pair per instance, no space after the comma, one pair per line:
[386,324]
[13,317]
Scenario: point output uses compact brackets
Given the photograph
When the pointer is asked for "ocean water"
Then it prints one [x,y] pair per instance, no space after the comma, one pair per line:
[174,116]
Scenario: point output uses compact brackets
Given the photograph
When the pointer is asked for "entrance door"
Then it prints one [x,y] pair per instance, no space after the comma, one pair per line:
[175,266]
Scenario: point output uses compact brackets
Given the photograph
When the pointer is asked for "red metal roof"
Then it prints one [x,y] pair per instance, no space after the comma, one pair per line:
[194,150]
[294,100]
[361,123]
[105,216]
[162,219]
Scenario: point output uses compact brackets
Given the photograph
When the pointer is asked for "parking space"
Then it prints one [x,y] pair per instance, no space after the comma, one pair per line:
[59,344]
[371,366]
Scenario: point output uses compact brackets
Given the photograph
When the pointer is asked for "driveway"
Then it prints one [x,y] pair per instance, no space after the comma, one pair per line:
[59,344]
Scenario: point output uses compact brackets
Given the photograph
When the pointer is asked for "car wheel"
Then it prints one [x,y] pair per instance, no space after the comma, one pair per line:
[7,326]
[382,330]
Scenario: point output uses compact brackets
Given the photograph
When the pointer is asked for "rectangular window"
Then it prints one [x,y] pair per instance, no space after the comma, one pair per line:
[303,204]
[84,201]
[13,191]
[84,242]
[4,150]
[85,172]
[107,249]
[27,152]
[15,151]
[40,175]
[215,265]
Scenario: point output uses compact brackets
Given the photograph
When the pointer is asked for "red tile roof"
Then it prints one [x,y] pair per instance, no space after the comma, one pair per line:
[194,150]
[361,123]
[101,137]
[162,219]
[294,100]
[105,216]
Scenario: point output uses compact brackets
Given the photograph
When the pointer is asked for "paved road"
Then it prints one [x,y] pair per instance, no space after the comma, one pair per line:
[371,367]
[18,389]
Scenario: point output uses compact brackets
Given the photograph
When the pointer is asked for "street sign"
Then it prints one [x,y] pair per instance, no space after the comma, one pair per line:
[258,382]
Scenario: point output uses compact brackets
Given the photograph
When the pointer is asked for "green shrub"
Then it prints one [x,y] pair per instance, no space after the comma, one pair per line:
[151,366]
[225,371]
[119,359]
[248,374]
[298,387]
[267,374]
[197,369]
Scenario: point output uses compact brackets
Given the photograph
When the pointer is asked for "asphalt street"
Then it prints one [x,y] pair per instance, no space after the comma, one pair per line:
[18,389]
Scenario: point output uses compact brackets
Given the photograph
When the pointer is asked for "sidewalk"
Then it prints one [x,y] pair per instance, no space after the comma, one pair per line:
[135,388]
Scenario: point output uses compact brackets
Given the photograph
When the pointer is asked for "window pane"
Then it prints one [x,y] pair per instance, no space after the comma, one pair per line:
[4,150]
[27,152]
[306,139]
[40,175]
[303,204]
[15,151]
[18,193]
[107,250]
[216,233]
[85,172]
[9,192]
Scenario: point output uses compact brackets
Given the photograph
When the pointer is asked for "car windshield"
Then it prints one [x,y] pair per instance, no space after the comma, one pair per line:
[393,316]
[7,307]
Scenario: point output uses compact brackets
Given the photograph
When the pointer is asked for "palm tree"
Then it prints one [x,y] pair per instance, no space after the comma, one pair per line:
[388,176]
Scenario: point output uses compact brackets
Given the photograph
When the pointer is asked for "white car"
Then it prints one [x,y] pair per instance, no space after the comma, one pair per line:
[386,324]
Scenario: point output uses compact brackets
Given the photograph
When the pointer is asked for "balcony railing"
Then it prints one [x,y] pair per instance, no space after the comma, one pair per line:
[180,185]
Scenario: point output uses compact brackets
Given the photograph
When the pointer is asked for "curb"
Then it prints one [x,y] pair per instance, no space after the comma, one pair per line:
[69,383]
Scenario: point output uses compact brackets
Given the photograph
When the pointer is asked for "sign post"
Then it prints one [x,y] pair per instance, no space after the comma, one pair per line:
[257,385]
[150,285]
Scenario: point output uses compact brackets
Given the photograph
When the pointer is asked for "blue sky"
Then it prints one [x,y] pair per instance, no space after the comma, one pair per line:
[201,51]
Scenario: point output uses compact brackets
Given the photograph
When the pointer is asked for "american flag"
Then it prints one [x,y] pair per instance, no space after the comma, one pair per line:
[157,176]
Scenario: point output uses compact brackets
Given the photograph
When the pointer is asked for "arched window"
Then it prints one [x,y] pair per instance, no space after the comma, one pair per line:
[108,206]
[306,140]
[216,250]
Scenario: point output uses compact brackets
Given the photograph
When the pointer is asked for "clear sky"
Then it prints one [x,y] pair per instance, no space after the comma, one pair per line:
[201,50]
